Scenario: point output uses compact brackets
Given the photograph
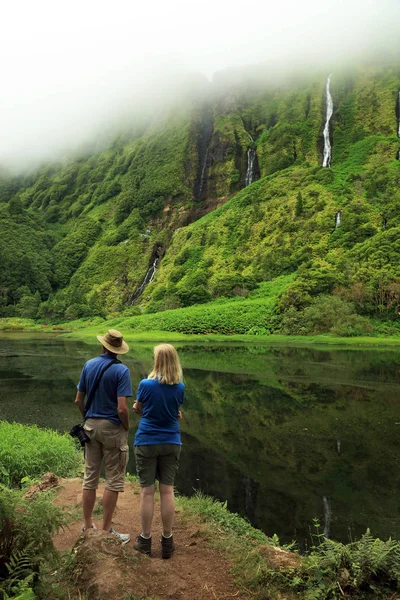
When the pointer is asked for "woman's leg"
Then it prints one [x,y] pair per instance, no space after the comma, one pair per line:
[167,508]
[147,509]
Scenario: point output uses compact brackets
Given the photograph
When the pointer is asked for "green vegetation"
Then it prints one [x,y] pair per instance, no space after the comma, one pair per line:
[364,569]
[31,452]
[27,523]
[26,529]
[76,240]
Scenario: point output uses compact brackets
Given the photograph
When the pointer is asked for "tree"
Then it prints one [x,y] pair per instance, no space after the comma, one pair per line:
[299,205]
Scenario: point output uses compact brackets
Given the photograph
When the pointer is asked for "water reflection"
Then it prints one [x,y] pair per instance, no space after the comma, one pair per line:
[283,434]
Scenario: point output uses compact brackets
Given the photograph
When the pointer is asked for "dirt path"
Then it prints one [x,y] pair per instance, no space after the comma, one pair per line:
[195,572]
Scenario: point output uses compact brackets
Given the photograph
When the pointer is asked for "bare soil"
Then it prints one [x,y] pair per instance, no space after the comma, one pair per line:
[105,569]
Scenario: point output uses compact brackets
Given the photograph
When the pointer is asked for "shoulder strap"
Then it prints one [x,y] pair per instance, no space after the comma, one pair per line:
[95,385]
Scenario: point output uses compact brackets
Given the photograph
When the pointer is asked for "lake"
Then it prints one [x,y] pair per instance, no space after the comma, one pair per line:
[283,434]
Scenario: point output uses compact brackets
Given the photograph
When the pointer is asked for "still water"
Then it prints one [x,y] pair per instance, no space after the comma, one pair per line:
[283,434]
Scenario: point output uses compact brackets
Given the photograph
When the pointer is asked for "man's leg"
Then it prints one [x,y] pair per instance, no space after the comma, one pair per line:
[115,451]
[109,503]
[93,460]
[147,509]
[88,501]
[167,498]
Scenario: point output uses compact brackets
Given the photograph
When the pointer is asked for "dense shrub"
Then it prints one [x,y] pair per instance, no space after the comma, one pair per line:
[27,451]
[224,317]
[26,530]
[367,568]
[326,314]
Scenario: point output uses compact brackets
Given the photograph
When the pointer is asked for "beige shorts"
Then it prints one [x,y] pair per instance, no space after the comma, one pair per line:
[108,442]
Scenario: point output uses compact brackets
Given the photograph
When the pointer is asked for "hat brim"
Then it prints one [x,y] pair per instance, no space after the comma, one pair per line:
[123,349]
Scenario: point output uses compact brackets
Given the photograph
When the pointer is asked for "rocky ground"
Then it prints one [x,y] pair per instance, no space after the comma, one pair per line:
[105,569]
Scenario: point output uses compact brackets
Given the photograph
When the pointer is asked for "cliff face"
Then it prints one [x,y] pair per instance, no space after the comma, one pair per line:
[96,223]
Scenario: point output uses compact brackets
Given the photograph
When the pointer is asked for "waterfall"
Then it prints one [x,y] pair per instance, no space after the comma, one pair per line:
[203,172]
[148,278]
[327,516]
[338,219]
[329,112]
[251,157]
[338,447]
[398,124]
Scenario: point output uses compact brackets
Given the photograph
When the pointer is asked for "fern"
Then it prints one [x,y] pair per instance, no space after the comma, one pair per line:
[366,568]
[26,529]
[22,564]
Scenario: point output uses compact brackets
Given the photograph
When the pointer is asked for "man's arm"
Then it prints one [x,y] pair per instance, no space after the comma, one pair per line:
[123,412]
[80,401]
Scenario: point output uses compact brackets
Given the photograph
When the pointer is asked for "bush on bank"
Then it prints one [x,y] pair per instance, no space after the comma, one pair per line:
[364,569]
[27,451]
[27,525]
[26,529]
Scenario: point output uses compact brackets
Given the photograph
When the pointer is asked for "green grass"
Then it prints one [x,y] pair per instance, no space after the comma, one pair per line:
[88,334]
[363,569]
[27,451]
[234,536]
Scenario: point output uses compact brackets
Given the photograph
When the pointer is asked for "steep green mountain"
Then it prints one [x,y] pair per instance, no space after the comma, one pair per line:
[214,200]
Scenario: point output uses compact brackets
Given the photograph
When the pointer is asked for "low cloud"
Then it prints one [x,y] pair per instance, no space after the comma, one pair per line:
[73,70]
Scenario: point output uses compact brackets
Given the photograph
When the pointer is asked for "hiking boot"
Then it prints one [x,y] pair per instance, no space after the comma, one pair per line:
[143,545]
[121,537]
[167,546]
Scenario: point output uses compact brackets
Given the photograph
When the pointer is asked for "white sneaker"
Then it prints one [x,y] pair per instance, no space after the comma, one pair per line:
[124,538]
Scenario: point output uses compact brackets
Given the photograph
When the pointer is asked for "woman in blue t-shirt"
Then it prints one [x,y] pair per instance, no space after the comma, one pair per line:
[158,444]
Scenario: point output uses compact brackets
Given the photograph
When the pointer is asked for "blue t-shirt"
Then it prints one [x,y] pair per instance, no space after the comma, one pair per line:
[159,422]
[115,382]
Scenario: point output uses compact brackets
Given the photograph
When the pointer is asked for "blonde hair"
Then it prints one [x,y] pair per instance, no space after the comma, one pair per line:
[167,367]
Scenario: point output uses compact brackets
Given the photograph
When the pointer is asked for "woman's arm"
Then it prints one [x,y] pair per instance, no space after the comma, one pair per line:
[137,407]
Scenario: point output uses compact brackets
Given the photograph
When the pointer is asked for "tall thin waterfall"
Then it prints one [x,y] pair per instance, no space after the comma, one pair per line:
[338,219]
[329,112]
[398,125]
[251,163]
[398,122]
[203,172]
[148,278]
[251,157]
[327,516]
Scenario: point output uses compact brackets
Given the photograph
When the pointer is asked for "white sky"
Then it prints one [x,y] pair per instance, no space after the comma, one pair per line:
[66,66]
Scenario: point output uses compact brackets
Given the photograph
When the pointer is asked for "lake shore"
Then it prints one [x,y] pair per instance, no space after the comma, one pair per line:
[86,331]
[218,554]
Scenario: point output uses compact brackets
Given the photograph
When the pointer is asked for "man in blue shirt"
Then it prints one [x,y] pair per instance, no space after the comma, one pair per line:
[107,425]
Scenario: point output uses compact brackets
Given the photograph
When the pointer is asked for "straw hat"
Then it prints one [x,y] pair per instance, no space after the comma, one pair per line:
[114,342]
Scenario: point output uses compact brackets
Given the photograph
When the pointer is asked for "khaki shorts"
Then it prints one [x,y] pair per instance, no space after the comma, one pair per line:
[158,461]
[108,442]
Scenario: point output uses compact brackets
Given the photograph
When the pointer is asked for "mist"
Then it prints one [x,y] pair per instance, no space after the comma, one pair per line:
[73,72]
